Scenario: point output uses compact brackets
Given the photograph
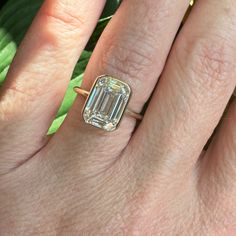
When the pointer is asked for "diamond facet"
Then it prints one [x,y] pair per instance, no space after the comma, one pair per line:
[106,103]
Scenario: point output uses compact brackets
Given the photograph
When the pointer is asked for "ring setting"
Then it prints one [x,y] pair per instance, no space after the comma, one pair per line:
[106,103]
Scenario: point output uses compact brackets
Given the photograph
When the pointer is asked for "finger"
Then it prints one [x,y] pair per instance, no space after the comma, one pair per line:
[133,49]
[194,89]
[39,75]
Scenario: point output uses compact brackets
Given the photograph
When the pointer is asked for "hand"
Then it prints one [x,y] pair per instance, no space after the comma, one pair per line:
[152,180]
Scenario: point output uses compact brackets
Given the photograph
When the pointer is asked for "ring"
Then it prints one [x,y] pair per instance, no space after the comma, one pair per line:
[106,103]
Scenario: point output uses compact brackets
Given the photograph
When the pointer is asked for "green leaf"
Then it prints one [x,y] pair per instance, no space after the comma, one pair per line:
[56,124]
[67,103]
[70,96]
[6,54]
[110,8]
[82,63]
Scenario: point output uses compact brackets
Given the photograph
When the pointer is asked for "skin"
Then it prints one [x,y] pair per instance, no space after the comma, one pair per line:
[152,180]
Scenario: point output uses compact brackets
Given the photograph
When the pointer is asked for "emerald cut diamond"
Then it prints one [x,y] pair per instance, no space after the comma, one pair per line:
[106,103]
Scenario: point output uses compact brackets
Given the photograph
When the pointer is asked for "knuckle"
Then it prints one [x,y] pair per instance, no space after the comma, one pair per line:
[63,13]
[210,61]
[60,20]
[63,17]
[129,61]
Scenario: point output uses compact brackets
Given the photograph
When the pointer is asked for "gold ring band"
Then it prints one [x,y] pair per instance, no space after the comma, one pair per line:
[129,112]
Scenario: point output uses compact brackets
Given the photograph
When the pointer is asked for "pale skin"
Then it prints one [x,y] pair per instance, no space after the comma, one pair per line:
[151,180]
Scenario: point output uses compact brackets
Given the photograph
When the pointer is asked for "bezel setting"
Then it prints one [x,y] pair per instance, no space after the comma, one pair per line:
[106,103]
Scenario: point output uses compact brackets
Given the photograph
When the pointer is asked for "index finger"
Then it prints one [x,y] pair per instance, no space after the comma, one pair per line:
[39,75]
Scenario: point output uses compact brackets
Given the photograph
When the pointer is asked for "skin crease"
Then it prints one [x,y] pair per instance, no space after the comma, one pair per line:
[149,181]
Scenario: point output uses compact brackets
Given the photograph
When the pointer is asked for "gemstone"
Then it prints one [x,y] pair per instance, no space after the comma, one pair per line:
[106,103]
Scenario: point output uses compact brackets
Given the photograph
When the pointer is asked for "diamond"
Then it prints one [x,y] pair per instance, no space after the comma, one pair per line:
[106,103]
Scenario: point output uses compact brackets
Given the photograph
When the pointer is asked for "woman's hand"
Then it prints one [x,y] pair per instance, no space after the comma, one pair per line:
[154,180]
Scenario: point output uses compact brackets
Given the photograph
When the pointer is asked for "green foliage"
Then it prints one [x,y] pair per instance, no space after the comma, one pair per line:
[15,19]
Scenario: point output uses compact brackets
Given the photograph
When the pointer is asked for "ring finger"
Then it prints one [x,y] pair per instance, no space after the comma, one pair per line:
[133,48]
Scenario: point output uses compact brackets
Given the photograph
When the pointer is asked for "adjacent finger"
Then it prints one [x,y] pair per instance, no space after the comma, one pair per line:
[133,48]
[39,75]
[194,89]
